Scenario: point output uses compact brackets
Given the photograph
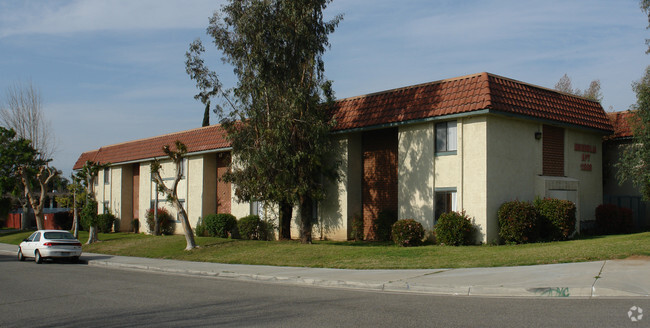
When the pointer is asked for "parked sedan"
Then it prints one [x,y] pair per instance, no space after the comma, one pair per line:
[44,244]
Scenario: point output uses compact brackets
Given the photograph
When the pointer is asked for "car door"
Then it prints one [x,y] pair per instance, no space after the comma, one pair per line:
[28,245]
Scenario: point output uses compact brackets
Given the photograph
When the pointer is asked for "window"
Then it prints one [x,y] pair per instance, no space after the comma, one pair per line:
[183,168]
[445,202]
[178,214]
[446,139]
[106,207]
[255,208]
[37,237]
[107,176]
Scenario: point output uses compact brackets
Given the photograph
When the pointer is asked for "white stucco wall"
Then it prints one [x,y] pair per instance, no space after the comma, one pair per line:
[591,181]
[472,155]
[415,173]
[333,210]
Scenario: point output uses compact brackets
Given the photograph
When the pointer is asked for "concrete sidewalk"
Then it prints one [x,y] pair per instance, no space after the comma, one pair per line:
[613,278]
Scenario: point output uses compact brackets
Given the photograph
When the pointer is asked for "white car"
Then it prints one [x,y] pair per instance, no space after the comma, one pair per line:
[44,244]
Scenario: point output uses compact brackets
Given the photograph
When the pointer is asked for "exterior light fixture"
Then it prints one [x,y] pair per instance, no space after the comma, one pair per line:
[538,135]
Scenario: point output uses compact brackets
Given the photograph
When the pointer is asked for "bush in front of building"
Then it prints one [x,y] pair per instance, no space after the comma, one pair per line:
[357,227]
[612,219]
[557,218]
[167,222]
[89,214]
[407,233]
[221,225]
[455,229]
[253,228]
[105,222]
[517,222]
[383,224]
[199,229]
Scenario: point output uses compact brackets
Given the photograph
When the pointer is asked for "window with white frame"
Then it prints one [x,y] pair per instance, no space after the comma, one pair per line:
[183,167]
[107,176]
[106,207]
[255,208]
[446,137]
[445,202]
[178,214]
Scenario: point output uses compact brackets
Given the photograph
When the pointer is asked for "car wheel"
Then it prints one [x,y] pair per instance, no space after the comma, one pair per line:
[37,257]
[21,257]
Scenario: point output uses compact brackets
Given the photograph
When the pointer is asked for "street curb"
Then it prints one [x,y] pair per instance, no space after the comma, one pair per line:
[401,286]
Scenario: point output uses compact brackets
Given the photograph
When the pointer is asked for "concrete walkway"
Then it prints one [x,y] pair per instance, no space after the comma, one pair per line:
[613,278]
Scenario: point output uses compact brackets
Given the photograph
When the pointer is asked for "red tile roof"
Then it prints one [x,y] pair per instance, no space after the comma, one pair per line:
[621,123]
[202,139]
[464,95]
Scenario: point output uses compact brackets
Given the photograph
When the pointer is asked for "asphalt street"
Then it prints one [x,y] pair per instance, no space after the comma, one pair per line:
[75,295]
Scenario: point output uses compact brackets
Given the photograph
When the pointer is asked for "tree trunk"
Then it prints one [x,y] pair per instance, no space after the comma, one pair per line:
[92,235]
[24,219]
[286,211]
[306,213]
[40,217]
[187,228]
[206,115]
[75,216]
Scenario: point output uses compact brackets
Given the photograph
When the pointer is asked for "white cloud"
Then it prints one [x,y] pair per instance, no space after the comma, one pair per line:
[57,17]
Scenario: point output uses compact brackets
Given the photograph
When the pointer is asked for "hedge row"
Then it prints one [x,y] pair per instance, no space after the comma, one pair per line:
[544,220]
[225,225]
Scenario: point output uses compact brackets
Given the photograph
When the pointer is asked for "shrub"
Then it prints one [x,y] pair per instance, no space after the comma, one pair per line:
[357,227]
[105,222]
[407,232]
[135,224]
[455,229]
[253,228]
[89,214]
[200,230]
[517,222]
[612,219]
[557,218]
[116,225]
[221,225]
[383,225]
[167,222]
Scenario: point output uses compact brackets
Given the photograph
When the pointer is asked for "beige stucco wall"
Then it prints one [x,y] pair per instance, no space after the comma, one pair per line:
[472,156]
[590,194]
[514,161]
[333,211]
[415,173]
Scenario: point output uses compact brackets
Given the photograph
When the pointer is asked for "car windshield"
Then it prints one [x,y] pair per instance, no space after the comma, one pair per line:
[58,235]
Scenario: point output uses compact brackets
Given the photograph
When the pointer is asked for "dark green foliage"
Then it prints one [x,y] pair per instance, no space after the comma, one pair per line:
[116,225]
[135,224]
[221,225]
[105,222]
[612,219]
[167,222]
[279,125]
[200,230]
[253,228]
[407,233]
[63,220]
[89,214]
[517,222]
[383,224]
[357,227]
[634,163]
[455,229]
[557,218]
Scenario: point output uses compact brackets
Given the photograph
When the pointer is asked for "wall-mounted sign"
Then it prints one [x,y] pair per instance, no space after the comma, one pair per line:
[586,151]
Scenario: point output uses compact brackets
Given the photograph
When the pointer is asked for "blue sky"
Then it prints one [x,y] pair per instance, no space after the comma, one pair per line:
[113,71]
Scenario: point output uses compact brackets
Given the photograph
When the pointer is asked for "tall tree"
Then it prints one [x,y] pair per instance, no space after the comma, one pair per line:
[206,81]
[592,92]
[176,157]
[634,164]
[22,111]
[88,175]
[279,125]
[645,7]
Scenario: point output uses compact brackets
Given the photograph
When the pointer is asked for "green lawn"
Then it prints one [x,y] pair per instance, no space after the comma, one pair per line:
[350,255]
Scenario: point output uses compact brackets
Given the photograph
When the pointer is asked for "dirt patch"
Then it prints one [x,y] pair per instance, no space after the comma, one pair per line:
[638,258]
